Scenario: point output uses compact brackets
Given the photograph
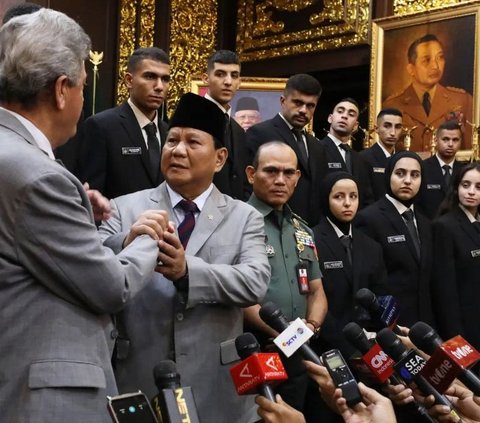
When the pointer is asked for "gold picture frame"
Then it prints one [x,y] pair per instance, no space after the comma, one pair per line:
[266,91]
[391,76]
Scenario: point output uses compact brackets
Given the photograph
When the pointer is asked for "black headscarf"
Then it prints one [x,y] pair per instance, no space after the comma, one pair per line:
[325,188]
[389,170]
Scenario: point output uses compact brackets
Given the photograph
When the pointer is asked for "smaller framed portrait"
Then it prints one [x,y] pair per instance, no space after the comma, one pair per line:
[258,99]
[426,65]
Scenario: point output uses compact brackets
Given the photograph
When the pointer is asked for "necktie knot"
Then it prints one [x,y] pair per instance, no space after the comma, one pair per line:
[151,129]
[345,146]
[426,103]
[446,168]
[408,215]
[346,241]
[188,206]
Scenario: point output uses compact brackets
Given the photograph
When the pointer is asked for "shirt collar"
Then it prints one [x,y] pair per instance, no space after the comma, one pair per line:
[200,201]
[338,231]
[421,91]
[470,216]
[335,140]
[442,163]
[41,141]
[223,109]
[141,118]
[387,153]
[264,208]
[401,208]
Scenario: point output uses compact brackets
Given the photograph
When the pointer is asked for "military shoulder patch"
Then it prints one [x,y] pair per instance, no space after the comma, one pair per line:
[456,90]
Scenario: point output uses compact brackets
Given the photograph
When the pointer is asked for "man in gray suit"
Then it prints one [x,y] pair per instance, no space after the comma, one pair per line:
[58,284]
[193,308]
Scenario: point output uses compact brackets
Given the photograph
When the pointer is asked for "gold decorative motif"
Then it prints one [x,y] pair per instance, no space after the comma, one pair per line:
[335,24]
[96,59]
[192,41]
[130,38]
[406,7]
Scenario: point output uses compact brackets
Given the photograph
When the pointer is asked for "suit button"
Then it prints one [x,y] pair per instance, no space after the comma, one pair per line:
[114,334]
[234,176]
[180,316]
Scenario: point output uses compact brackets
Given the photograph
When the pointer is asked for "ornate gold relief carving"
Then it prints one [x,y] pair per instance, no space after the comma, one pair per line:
[132,11]
[265,27]
[406,7]
[192,40]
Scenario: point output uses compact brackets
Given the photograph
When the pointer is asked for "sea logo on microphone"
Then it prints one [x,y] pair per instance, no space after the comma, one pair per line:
[411,365]
[245,372]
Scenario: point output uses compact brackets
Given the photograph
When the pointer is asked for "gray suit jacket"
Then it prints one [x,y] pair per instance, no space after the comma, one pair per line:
[228,269]
[58,285]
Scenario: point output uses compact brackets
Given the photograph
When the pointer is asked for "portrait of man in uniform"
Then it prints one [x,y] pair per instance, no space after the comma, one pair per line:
[427,72]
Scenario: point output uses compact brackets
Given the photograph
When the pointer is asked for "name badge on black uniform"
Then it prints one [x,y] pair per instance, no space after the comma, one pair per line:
[131,151]
[434,186]
[334,165]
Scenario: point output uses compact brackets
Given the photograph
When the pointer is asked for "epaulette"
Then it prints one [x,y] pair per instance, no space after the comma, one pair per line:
[296,216]
[397,94]
[456,90]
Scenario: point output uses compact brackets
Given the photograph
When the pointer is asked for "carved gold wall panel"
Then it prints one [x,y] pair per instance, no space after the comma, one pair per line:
[193,26]
[137,19]
[273,28]
[406,7]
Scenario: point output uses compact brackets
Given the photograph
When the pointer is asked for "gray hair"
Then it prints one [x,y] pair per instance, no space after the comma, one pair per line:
[35,50]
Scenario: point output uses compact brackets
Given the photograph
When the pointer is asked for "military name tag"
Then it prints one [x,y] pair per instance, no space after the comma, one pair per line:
[333,264]
[131,151]
[475,253]
[334,165]
[379,170]
[434,186]
[395,238]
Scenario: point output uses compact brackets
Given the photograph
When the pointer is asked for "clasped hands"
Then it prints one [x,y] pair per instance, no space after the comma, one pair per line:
[171,255]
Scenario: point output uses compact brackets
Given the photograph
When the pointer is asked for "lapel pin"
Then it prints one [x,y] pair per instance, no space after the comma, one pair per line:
[210,217]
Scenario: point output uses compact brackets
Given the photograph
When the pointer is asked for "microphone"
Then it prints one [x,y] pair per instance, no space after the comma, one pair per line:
[449,360]
[379,363]
[274,318]
[174,403]
[384,311]
[408,365]
[257,372]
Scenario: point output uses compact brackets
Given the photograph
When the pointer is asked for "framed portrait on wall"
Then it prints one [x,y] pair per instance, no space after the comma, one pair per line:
[426,66]
[258,99]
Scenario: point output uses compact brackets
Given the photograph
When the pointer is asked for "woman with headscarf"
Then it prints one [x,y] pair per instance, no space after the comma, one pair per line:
[456,269]
[349,260]
[405,237]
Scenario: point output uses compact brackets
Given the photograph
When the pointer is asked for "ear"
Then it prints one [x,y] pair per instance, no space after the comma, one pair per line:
[250,172]
[221,155]
[298,173]
[205,78]
[355,127]
[128,80]
[410,69]
[61,91]
[282,100]
[330,118]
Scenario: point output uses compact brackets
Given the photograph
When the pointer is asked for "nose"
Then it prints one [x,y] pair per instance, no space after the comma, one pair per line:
[179,149]
[280,178]
[471,189]
[347,201]
[158,84]
[303,108]
[408,178]
[228,80]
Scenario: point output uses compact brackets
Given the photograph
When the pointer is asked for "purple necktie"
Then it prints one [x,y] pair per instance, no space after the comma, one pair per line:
[185,228]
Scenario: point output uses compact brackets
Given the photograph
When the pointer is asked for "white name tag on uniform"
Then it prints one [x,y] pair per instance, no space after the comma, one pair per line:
[131,151]
[333,264]
[475,253]
[434,186]
[292,338]
[395,238]
[379,170]
[334,165]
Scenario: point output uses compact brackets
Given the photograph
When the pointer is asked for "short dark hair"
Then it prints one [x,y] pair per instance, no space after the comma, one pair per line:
[389,111]
[269,144]
[143,53]
[227,57]
[303,83]
[412,50]
[450,125]
[348,100]
[20,9]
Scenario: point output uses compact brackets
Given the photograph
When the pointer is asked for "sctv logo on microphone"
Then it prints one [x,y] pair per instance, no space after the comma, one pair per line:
[293,338]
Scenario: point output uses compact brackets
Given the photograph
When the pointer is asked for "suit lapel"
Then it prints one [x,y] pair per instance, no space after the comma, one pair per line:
[132,128]
[333,155]
[466,226]
[336,248]
[211,216]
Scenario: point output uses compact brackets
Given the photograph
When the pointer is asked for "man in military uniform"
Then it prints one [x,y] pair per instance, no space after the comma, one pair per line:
[425,103]
[296,285]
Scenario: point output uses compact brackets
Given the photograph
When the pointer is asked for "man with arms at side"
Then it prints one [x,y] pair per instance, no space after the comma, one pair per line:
[426,103]
[290,249]
[339,155]
[120,148]
[297,104]
[389,129]
[440,169]
[59,285]
[194,305]
[223,81]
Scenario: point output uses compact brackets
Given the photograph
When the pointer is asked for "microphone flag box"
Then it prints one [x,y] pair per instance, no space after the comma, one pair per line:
[255,370]
[448,361]
[410,365]
[379,363]
[293,337]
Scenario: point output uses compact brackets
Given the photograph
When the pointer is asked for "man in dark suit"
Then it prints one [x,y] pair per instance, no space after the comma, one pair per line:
[223,80]
[340,156]
[389,129]
[120,147]
[441,168]
[298,104]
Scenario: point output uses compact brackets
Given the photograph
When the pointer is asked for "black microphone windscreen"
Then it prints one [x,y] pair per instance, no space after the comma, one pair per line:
[367,299]
[425,337]
[356,336]
[166,376]
[391,344]
[273,316]
[246,345]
